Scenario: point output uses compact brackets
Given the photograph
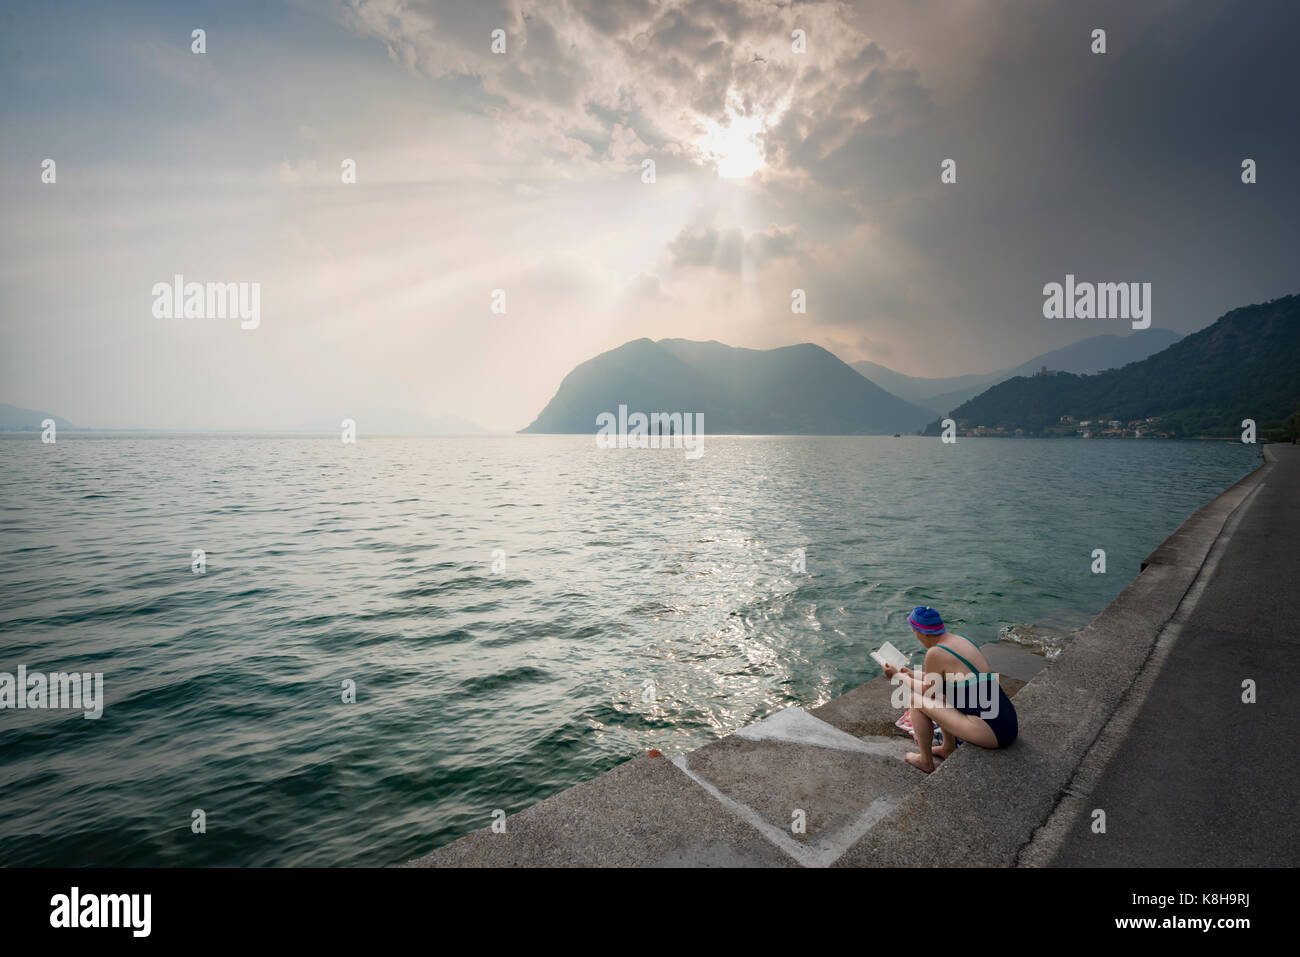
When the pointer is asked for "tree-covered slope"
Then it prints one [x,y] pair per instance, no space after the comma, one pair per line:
[1244,366]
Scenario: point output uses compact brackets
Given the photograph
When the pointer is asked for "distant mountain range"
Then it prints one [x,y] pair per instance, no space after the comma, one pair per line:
[1091,355]
[801,389]
[1244,366]
[15,419]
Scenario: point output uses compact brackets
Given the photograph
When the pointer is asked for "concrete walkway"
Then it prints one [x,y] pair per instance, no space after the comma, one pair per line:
[1190,775]
[827,787]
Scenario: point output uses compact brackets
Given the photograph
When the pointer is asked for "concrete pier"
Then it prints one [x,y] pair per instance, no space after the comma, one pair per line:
[1141,716]
[1187,772]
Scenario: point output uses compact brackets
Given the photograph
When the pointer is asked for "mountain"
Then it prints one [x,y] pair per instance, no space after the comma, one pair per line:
[15,419]
[1244,366]
[920,390]
[795,390]
[1088,356]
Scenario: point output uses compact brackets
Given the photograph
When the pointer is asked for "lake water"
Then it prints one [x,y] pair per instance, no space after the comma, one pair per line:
[501,604]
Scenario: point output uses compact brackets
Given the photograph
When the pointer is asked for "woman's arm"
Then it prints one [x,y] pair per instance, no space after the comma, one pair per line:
[916,683]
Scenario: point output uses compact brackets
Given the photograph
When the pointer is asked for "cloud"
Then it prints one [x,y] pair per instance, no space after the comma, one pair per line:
[722,250]
[625,146]
[633,72]
[646,286]
[776,242]
[726,249]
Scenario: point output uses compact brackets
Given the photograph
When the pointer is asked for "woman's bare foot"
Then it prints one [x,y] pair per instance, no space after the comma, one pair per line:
[942,753]
[916,761]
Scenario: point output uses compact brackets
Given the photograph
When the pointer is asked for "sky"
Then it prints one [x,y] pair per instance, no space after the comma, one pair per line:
[523,171]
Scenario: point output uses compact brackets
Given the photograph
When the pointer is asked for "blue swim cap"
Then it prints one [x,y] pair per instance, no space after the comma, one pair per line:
[926,620]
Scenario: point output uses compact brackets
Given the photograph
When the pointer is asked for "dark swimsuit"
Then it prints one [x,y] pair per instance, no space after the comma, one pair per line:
[1004,724]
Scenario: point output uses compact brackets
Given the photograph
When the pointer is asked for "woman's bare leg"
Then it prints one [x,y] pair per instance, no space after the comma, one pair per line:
[946,749]
[954,724]
[968,727]
[923,728]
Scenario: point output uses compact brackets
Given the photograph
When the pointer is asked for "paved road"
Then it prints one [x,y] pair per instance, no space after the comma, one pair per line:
[1203,779]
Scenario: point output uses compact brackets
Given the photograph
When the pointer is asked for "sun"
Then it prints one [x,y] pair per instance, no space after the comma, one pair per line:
[735,147]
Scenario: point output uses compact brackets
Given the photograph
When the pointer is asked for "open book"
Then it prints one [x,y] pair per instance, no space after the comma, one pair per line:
[888,654]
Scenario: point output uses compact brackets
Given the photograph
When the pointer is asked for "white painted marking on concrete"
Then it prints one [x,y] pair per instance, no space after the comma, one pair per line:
[821,851]
[799,727]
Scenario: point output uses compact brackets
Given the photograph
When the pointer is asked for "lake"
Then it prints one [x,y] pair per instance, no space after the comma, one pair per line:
[517,614]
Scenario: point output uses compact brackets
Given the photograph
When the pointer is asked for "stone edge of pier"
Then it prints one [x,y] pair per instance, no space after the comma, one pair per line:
[981,809]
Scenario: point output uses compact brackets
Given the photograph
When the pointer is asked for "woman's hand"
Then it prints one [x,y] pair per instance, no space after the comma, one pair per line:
[890,670]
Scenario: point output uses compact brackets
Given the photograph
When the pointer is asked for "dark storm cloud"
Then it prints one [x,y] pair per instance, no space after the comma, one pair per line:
[1123,166]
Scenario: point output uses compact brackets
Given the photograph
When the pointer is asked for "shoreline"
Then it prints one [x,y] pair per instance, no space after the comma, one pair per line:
[730,802]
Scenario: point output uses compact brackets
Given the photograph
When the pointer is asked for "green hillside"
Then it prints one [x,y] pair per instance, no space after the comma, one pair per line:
[1245,365]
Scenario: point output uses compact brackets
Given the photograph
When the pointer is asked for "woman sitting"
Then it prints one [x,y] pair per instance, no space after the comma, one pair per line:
[973,706]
